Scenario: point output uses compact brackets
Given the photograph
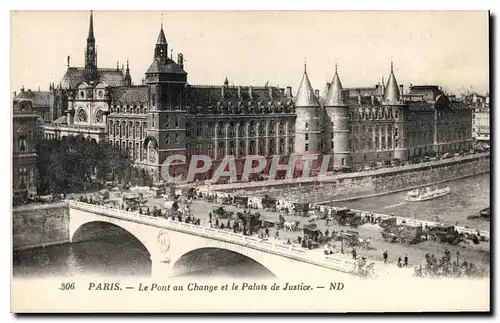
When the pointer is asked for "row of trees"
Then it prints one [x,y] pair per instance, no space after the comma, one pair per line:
[77,163]
[446,267]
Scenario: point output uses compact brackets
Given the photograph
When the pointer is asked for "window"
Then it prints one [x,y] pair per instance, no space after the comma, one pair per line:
[167,123]
[167,139]
[307,136]
[307,147]
[332,145]
[81,116]
[23,143]
[332,135]
[152,123]
[177,138]
[82,94]
[99,116]
[176,122]
[100,94]
[307,125]
[198,129]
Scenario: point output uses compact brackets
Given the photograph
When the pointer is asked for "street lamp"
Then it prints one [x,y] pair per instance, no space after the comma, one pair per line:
[458,255]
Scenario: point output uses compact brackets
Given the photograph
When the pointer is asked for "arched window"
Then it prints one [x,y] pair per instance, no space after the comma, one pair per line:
[177,140]
[81,116]
[99,116]
[176,122]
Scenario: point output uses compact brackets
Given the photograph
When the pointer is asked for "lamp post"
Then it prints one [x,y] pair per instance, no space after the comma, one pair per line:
[458,255]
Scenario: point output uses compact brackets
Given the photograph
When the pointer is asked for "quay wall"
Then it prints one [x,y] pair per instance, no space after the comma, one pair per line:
[343,187]
[40,225]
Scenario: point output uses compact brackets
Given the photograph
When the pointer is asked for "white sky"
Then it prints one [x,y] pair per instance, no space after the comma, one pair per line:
[449,49]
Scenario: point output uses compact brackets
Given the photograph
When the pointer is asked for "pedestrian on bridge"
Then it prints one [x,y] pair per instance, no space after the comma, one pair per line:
[406,260]
[385,255]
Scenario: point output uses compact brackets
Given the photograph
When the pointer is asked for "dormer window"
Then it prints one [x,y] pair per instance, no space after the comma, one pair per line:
[100,94]
[82,94]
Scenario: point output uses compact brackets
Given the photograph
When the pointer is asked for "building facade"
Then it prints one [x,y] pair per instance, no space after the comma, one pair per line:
[166,116]
[480,118]
[26,126]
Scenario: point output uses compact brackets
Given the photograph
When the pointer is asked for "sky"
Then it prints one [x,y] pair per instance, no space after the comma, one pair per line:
[445,48]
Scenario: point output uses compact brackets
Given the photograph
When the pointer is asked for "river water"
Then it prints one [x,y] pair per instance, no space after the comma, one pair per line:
[126,256]
[468,196]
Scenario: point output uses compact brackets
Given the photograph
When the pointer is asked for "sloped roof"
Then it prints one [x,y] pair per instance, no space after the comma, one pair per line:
[76,75]
[334,97]
[391,93]
[161,37]
[60,120]
[305,94]
[130,94]
[39,98]
[169,67]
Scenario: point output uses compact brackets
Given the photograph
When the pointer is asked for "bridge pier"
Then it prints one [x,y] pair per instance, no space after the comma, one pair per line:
[161,267]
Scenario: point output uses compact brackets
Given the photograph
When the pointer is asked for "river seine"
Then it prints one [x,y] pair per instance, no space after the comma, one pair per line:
[127,257]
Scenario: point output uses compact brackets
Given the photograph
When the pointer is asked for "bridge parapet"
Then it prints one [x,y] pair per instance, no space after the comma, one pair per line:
[314,258]
[416,223]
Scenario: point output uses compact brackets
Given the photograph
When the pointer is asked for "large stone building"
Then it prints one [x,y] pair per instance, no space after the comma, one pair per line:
[166,115]
[26,131]
[480,118]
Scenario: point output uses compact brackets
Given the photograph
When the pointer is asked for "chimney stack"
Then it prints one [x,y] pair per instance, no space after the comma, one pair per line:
[401,89]
[288,92]
[316,93]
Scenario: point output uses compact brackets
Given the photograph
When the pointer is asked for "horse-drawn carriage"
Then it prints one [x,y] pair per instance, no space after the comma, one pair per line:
[394,233]
[346,217]
[221,213]
[291,225]
[352,239]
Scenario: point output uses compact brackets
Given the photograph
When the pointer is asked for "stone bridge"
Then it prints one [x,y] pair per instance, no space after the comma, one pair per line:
[170,241]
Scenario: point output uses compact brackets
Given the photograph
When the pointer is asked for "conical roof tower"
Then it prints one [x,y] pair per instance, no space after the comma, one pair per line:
[391,92]
[334,96]
[305,94]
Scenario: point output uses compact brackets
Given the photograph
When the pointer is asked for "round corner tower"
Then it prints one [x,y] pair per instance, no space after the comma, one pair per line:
[392,100]
[308,122]
[337,138]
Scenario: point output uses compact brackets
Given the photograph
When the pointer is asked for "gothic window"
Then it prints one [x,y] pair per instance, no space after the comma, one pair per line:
[396,115]
[261,128]
[131,129]
[271,127]
[241,129]
[220,128]
[137,130]
[23,143]
[167,138]
[81,116]
[210,149]
[100,94]
[176,122]
[307,125]
[231,129]
[188,129]
[198,129]
[177,140]
[231,148]
[241,148]
[282,146]
[251,128]
[272,146]
[144,129]
[262,146]
[211,129]
[290,144]
[252,147]
[137,152]
[281,128]
[111,128]
[307,136]
[332,135]
[167,123]
[306,148]
[82,94]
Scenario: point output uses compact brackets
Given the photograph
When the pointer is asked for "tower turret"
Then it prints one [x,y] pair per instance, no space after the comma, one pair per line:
[128,78]
[308,122]
[337,125]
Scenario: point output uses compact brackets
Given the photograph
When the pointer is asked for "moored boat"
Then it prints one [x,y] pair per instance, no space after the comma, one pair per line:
[428,193]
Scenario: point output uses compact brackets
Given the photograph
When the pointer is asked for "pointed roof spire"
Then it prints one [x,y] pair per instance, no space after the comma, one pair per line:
[161,37]
[334,97]
[391,91]
[305,94]
[226,81]
[91,26]
[128,69]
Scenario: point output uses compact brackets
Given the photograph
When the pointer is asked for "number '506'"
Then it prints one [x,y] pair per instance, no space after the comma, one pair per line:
[67,286]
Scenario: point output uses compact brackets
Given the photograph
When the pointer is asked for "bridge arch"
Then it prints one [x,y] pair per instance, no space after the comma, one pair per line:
[102,229]
[214,258]
[84,227]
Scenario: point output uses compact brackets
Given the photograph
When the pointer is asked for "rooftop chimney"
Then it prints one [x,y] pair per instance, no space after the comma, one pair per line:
[316,93]
[401,89]
[288,92]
